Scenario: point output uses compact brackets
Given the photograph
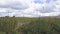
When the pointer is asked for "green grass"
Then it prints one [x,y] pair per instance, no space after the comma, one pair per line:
[2,32]
[35,25]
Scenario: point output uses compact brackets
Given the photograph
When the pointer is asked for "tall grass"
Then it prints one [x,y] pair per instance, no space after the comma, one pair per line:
[34,26]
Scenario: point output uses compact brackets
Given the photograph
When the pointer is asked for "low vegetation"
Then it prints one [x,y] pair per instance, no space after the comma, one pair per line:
[16,25]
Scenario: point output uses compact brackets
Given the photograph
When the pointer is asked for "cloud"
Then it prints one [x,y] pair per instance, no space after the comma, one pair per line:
[2,14]
[13,5]
[29,8]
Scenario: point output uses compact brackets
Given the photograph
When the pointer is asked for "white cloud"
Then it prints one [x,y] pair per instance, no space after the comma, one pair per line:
[13,4]
[28,8]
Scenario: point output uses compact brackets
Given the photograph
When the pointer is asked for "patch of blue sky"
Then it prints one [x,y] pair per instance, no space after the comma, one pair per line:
[38,1]
[48,1]
[41,2]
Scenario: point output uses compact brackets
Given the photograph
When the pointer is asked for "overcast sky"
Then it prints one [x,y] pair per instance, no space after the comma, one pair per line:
[29,8]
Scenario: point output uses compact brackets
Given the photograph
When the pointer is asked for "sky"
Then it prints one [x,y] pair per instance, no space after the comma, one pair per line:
[29,8]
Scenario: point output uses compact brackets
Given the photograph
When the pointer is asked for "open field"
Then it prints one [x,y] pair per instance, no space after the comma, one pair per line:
[16,25]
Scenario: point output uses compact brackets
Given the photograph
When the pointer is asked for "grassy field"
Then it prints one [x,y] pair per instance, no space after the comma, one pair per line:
[16,25]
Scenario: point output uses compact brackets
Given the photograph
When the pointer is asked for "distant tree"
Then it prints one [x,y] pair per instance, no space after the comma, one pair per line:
[13,16]
[6,16]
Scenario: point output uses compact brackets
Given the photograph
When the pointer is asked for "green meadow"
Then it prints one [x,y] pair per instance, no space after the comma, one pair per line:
[16,25]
